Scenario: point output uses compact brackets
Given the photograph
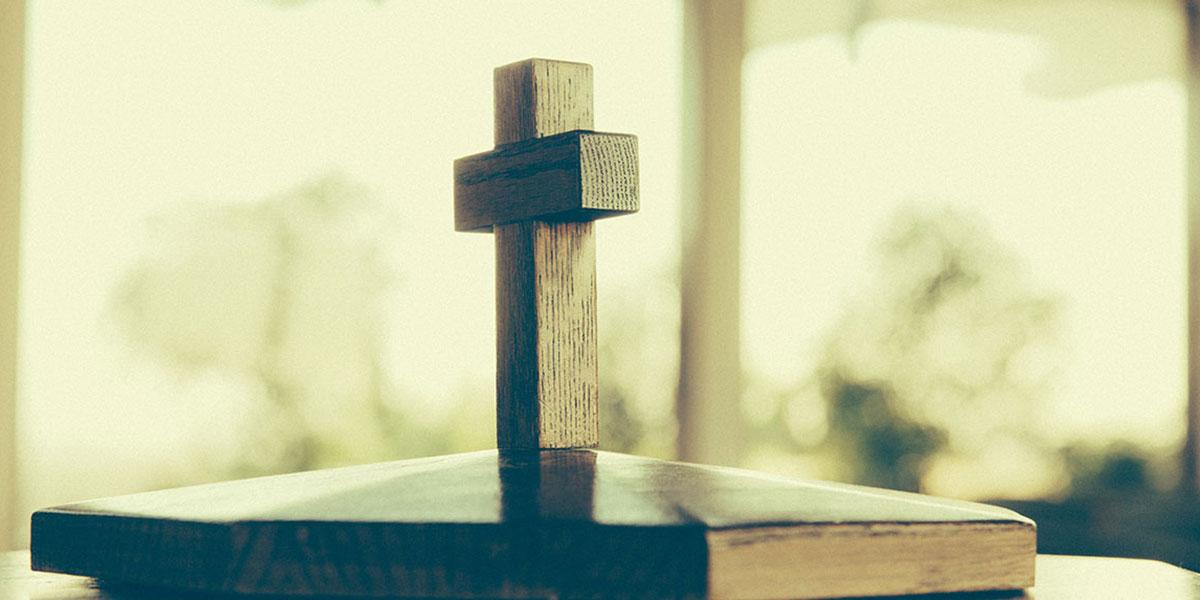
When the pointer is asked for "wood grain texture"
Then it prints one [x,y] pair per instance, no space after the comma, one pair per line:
[609,173]
[865,559]
[538,98]
[547,385]
[1059,578]
[564,523]
[573,176]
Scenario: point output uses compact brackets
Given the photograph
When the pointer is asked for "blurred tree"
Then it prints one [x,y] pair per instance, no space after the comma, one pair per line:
[283,292]
[943,355]
[889,448]
[639,358]
[1118,468]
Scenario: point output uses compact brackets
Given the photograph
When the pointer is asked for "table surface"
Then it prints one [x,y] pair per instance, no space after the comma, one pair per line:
[1059,578]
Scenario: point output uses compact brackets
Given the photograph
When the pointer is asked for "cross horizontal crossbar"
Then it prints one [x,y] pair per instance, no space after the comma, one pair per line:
[572,176]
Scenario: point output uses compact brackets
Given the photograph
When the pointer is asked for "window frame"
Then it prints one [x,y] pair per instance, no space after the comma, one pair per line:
[12,93]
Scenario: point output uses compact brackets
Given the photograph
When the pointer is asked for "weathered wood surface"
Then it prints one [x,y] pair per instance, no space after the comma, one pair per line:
[547,385]
[547,380]
[559,522]
[538,98]
[572,176]
[853,560]
[1059,578]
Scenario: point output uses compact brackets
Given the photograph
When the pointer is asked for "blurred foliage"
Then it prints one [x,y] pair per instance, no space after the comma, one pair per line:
[639,362]
[935,372]
[943,355]
[1118,468]
[282,293]
[1124,500]
[890,449]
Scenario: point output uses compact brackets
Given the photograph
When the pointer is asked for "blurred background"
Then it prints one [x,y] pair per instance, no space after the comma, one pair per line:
[936,245]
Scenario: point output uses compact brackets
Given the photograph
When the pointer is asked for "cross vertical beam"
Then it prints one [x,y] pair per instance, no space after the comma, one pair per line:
[547,388]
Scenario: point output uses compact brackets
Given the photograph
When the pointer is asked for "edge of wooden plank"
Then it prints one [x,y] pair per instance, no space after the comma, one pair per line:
[576,175]
[870,559]
[365,559]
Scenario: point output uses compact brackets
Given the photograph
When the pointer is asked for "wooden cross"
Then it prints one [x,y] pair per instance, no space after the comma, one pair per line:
[538,191]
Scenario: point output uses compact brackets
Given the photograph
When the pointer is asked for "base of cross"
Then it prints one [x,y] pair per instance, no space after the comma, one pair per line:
[538,524]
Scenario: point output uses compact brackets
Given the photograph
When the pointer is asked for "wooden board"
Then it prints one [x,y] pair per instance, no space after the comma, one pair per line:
[539,97]
[547,384]
[1059,578]
[566,523]
[572,176]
